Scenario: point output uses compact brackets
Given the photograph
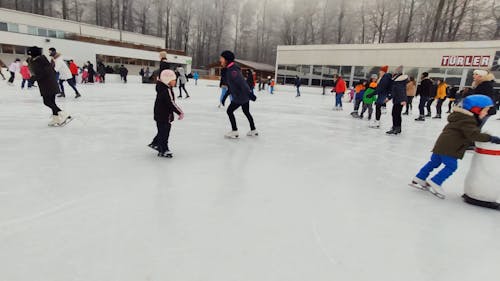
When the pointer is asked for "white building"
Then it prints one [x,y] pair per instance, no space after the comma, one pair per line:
[81,42]
[452,61]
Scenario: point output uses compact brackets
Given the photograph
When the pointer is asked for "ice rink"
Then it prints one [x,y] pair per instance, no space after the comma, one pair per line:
[318,196]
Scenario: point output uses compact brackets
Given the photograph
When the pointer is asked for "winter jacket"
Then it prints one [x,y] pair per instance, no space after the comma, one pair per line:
[123,71]
[101,69]
[237,86]
[368,98]
[383,90]
[61,67]
[360,90]
[398,89]
[25,72]
[196,76]
[425,88]
[182,76]
[340,86]
[411,88]
[90,69]
[485,87]
[15,67]
[462,129]
[298,82]
[163,65]
[250,81]
[441,91]
[165,105]
[44,74]
[73,68]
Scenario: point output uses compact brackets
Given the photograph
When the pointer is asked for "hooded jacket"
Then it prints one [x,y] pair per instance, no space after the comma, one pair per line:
[165,105]
[485,87]
[383,90]
[237,86]
[425,89]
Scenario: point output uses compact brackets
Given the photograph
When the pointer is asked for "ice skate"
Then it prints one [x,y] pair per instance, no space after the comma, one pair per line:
[375,125]
[153,146]
[166,154]
[394,131]
[419,183]
[61,95]
[54,121]
[436,189]
[438,116]
[252,133]
[354,114]
[77,95]
[232,135]
[64,118]
[420,118]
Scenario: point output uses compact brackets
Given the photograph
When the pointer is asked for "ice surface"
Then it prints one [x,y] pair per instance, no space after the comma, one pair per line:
[317,196]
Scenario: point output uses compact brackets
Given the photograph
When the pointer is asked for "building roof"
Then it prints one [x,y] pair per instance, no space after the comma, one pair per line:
[257,65]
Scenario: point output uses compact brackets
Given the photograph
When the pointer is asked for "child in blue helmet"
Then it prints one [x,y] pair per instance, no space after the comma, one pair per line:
[462,129]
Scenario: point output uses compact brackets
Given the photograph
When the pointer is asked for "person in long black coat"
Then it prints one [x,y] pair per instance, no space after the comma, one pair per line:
[91,70]
[483,84]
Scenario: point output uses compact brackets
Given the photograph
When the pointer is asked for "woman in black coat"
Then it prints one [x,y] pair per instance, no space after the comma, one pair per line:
[483,85]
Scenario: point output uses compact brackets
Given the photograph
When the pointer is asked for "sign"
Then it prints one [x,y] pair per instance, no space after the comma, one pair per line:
[475,61]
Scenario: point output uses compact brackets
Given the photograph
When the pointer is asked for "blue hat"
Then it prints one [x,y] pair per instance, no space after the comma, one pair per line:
[476,103]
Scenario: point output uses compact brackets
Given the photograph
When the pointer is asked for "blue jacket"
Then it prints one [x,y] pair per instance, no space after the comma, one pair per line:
[383,90]
[196,76]
[237,85]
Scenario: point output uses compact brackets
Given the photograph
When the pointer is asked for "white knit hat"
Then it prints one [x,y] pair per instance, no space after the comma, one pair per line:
[480,72]
[167,75]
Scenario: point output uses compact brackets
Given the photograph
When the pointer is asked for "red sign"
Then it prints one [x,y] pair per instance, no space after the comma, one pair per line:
[475,61]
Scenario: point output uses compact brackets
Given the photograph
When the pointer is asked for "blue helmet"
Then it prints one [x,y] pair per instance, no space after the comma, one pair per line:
[476,103]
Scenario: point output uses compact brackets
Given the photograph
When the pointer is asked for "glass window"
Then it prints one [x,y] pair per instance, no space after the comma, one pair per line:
[60,34]
[52,33]
[345,71]
[42,32]
[3,26]
[468,81]
[13,27]
[32,30]
[7,49]
[316,82]
[151,63]
[20,50]
[411,72]
[117,60]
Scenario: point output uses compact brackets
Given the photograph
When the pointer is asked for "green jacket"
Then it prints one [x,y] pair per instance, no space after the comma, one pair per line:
[461,131]
[366,99]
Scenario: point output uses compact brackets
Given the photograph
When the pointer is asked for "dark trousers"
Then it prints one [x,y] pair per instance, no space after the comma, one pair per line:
[72,84]
[357,103]
[428,105]
[397,108]
[12,76]
[50,102]
[450,104]
[246,109]
[30,83]
[409,104]
[439,106]
[161,138]
[182,86]
[422,104]
[378,111]
[368,107]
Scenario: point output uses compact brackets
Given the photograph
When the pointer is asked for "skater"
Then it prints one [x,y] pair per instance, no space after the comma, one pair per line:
[74,69]
[182,81]
[91,72]
[399,99]
[261,84]
[44,74]
[164,110]
[382,92]
[424,90]
[452,97]
[483,84]
[340,88]
[298,82]
[358,99]
[196,76]
[462,129]
[250,81]
[101,70]
[432,98]
[369,99]
[271,86]
[163,61]
[411,91]
[123,73]
[64,72]
[223,87]
[14,68]
[240,92]
[441,93]
[26,75]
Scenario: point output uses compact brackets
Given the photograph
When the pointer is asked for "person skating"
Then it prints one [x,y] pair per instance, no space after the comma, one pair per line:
[91,72]
[74,69]
[432,98]
[399,99]
[101,70]
[382,92]
[358,98]
[45,76]
[298,83]
[424,90]
[123,73]
[272,84]
[196,76]
[240,93]
[250,80]
[14,68]
[463,128]
[452,97]
[441,94]
[26,75]
[164,110]
[64,72]
[411,91]
[340,88]
[182,82]
[368,98]
[483,83]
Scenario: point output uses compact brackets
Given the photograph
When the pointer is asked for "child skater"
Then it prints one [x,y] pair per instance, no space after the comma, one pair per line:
[164,112]
[462,129]
[45,76]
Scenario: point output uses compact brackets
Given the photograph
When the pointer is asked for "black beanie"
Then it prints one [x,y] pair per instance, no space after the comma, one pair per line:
[228,55]
[34,51]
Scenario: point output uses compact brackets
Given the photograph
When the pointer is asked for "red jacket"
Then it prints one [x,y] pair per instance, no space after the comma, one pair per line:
[340,87]
[25,72]
[73,68]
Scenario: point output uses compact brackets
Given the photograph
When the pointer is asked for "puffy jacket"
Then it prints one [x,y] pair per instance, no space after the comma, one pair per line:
[73,68]
[237,85]
[398,89]
[411,88]
[25,72]
[441,91]
[182,76]
[425,89]
[44,74]
[485,87]
[165,105]
[14,67]
[61,67]
[340,86]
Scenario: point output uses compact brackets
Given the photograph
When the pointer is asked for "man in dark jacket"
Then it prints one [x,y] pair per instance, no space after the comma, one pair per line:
[424,90]
[399,100]
[123,73]
[45,76]
[250,81]
[298,82]
[91,71]
[240,92]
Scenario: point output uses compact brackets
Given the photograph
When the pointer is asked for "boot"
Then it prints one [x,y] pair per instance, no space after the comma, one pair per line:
[406,113]
[54,122]
[436,189]
[77,95]
[375,124]
[232,135]
[438,116]
[428,115]
[252,133]
[61,95]
[63,118]
[420,118]
[394,131]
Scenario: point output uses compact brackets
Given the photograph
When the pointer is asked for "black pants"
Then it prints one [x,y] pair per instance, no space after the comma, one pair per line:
[357,103]
[246,109]
[409,104]
[12,76]
[439,106]
[161,138]
[72,84]
[428,105]
[182,86]
[450,104]
[422,104]
[397,108]
[378,111]
[50,102]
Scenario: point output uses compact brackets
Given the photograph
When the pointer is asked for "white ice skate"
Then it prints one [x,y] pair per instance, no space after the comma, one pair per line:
[252,133]
[64,118]
[232,135]
[54,121]
[375,124]
[436,189]
[419,183]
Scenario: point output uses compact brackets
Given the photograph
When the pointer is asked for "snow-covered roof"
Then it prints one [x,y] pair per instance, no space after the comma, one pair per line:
[257,65]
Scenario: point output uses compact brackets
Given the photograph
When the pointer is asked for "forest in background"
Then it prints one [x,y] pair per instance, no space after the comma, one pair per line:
[253,28]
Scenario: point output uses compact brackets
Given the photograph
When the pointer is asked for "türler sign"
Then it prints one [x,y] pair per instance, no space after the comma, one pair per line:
[478,61]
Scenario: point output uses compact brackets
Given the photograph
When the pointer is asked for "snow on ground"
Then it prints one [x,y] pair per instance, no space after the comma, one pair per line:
[317,196]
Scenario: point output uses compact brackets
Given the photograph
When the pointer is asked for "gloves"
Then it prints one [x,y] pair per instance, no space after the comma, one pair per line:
[495,140]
